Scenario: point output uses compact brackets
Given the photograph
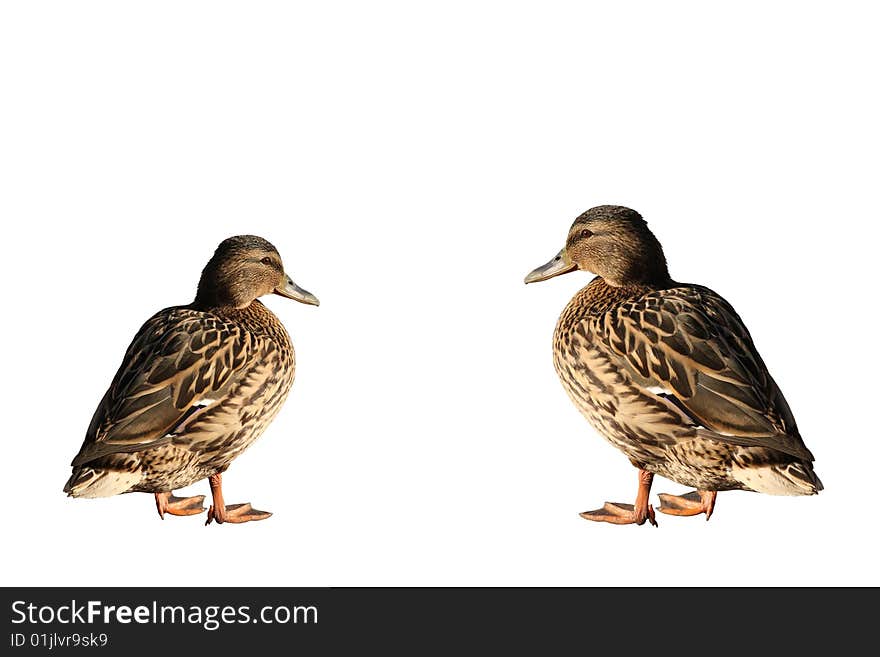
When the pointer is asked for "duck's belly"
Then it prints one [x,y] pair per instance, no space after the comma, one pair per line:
[168,468]
[652,435]
[702,464]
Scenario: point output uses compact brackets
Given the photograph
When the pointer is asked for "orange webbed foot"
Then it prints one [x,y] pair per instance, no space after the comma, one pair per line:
[621,514]
[690,504]
[178,506]
[235,513]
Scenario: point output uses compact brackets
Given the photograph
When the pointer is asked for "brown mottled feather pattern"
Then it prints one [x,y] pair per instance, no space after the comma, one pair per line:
[670,376]
[239,363]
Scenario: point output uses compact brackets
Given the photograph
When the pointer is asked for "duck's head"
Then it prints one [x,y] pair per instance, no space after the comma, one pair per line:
[613,242]
[244,268]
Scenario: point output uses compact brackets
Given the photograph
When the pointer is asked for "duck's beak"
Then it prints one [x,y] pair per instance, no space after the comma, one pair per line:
[293,291]
[561,264]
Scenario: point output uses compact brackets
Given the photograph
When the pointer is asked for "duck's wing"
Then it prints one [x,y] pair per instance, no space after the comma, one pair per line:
[688,346]
[180,362]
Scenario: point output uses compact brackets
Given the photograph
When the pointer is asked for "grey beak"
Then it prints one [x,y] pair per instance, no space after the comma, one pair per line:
[293,291]
[560,264]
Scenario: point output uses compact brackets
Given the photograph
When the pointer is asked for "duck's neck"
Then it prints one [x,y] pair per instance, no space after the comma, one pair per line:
[642,272]
[253,317]
[210,295]
[221,287]
[657,278]
[633,260]
[213,304]
[598,296]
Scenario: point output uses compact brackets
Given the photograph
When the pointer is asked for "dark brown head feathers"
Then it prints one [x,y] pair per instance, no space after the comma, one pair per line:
[615,242]
[243,268]
[612,213]
[240,243]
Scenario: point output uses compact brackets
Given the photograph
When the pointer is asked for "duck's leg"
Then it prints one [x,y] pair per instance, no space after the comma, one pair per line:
[232,513]
[692,504]
[178,506]
[628,514]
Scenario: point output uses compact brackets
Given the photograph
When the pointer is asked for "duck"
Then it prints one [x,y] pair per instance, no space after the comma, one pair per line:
[668,373]
[197,386]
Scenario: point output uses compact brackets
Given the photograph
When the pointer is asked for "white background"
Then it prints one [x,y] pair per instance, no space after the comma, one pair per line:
[412,162]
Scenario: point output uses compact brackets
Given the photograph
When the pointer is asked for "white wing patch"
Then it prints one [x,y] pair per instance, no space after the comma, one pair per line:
[198,406]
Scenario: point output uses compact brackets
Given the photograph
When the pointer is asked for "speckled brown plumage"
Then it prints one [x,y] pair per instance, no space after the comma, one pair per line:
[198,384]
[668,373]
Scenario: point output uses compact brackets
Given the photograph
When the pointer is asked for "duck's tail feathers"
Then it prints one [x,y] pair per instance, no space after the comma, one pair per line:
[795,478]
[87,482]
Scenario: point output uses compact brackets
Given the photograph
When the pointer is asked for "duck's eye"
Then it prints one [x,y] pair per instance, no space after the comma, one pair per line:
[266,260]
[585,233]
